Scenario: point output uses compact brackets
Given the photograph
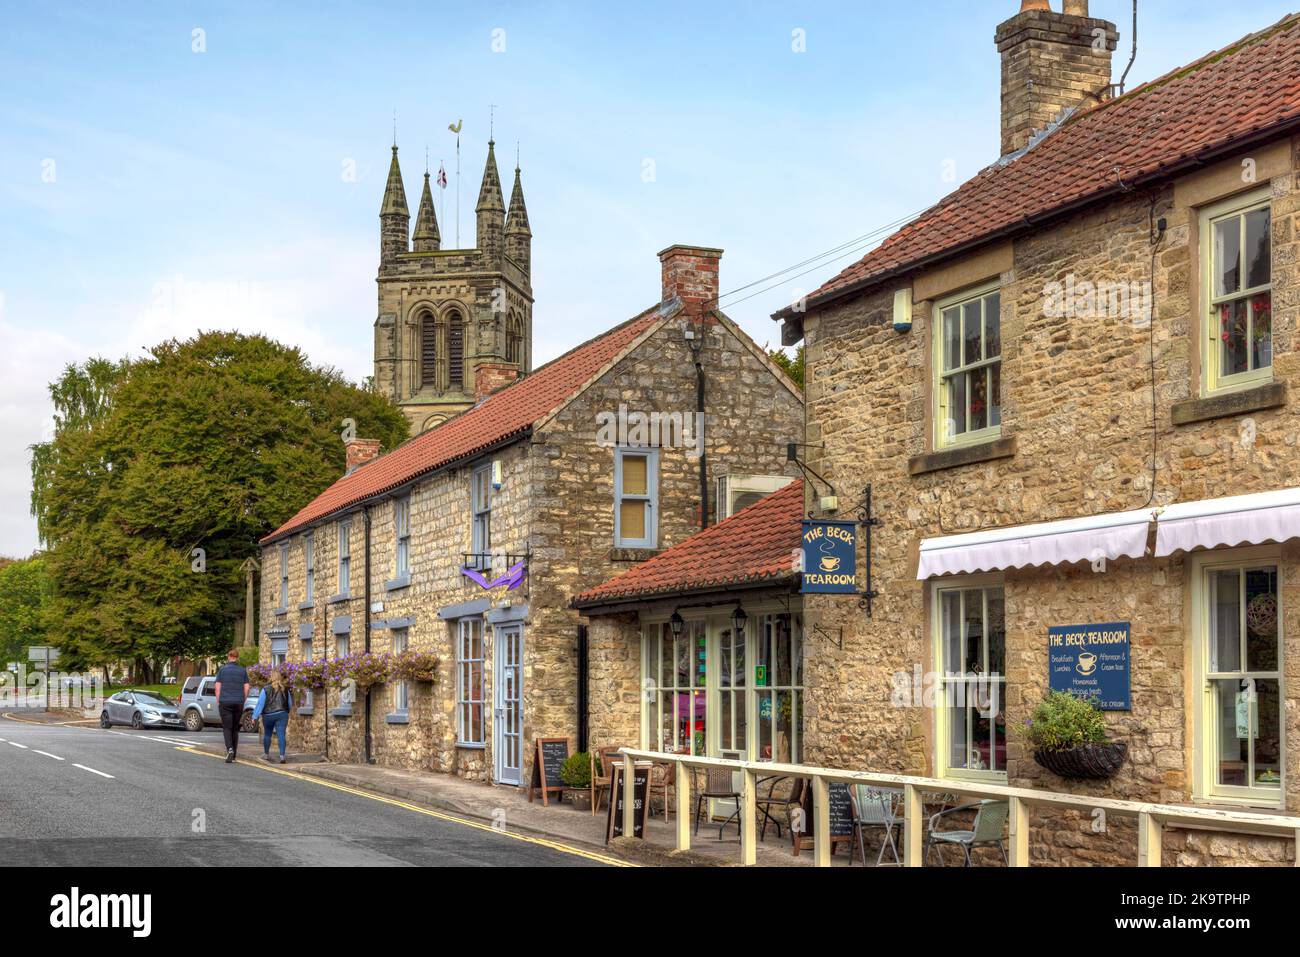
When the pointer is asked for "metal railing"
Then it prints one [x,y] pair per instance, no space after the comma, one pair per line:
[1151,818]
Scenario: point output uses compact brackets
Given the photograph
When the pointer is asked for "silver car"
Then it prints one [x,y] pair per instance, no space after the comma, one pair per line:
[198,705]
[140,709]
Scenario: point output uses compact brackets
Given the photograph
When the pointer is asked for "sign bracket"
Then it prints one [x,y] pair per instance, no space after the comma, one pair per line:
[868,521]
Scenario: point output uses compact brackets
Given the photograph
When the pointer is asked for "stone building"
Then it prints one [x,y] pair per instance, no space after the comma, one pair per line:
[1071,385]
[583,467]
[453,324]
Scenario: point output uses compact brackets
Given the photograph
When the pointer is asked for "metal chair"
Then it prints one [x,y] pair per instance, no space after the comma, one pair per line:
[608,758]
[875,807]
[765,803]
[719,784]
[986,829]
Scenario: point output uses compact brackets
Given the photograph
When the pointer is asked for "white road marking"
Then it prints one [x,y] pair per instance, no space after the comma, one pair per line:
[92,771]
[17,745]
[47,754]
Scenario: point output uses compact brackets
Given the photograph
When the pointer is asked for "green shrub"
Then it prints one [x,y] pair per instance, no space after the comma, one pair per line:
[248,656]
[1063,720]
[576,770]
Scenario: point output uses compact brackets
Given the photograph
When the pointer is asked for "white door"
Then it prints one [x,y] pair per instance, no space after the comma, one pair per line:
[507,733]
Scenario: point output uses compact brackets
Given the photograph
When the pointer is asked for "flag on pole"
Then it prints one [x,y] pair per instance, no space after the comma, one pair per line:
[442,177]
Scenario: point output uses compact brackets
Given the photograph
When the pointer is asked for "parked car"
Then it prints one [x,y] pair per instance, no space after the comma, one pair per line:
[140,709]
[198,705]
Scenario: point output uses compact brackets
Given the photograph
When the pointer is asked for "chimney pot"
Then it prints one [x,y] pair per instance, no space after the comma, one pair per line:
[690,274]
[1076,8]
[360,451]
[1027,5]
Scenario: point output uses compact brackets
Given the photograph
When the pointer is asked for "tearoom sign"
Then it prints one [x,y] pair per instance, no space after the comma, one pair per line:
[1092,661]
[830,558]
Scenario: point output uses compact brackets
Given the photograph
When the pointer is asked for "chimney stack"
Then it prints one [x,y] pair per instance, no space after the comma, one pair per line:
[492,377]
[690,274]
[1051,63]
[360,451]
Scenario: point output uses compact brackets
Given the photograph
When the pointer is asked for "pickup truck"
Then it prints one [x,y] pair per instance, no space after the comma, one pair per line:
[198,705]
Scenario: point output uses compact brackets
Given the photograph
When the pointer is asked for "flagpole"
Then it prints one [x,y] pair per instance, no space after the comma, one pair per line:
[458,191]
[442,194]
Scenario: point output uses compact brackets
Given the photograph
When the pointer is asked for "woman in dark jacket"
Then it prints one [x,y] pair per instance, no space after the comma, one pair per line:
[274,704]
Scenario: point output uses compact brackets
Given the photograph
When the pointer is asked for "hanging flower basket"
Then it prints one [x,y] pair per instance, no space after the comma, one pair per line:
[1085,761]
[363,669]
[412,665]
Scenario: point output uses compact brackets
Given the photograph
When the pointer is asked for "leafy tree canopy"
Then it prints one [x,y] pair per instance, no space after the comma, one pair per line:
[793,367]
[205,444]
[24,591]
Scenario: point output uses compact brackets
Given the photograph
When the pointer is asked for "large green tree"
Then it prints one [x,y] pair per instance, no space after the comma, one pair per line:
[163,473]
[24,591]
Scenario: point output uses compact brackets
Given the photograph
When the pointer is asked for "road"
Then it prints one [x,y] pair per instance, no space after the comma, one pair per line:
[89,797]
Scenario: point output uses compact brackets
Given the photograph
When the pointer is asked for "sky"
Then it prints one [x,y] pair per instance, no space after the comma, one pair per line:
[172,167]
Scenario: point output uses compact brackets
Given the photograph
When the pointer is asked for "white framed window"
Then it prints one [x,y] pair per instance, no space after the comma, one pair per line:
[469,682]
[307,656]
[969,622]
[1237,253]
[284,576]
[481,508]
[636,498]
[345,557]
[309,558]
[675,673]
[402,531]
[341,644]
[401,689]
[968,368]
[732,696]
[1240,732]
[778,689]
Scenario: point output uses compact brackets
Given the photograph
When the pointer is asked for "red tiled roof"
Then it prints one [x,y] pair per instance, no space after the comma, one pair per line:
[510,412]
[754,545]
[1181,119]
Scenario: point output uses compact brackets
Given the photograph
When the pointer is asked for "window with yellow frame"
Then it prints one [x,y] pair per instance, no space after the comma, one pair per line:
[968,368]
[1237,283]
[1240,711]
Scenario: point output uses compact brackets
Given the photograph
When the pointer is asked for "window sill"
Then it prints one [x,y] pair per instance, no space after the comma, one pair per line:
[307,606]
[623,554]
[1226,404]
[306,711]
[469,746]
[341,712]
[335,599]
[400,717]
[956,456]
[397,583]
[282,611]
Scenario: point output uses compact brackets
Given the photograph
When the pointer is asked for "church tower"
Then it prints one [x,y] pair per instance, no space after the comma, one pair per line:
[454,325]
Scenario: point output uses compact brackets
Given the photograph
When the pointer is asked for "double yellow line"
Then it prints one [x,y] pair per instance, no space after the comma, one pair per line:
[440,815]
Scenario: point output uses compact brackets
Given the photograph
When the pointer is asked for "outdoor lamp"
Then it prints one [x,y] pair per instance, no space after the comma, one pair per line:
[675,623]
[738,619]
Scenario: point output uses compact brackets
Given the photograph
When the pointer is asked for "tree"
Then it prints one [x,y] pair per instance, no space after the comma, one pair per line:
[791,367]
[162,476]
[24,592]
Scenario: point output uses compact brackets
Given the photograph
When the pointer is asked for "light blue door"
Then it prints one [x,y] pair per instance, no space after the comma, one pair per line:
[508,709]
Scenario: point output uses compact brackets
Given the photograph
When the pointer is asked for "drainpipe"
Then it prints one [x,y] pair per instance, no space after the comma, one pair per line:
[365,520]
[583,703]
[704,456]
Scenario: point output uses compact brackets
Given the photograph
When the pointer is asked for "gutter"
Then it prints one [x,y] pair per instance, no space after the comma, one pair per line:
[1041,219]
[630,602]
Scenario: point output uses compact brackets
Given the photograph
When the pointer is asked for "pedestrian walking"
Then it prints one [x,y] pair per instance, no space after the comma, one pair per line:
[273,706]
[232,692]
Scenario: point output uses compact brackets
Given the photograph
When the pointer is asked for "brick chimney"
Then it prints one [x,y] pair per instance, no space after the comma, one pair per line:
[1051,62]
[690,274]
[491,377]
[360,451]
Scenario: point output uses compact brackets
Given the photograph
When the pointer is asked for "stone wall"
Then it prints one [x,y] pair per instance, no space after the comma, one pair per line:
[1077,411]
[614,650]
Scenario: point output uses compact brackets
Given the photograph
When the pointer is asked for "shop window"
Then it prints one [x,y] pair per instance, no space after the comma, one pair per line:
[778,689]
[675,679]
[968,363]
[733,706]
[469,682]
[1242,735]
[970,648]
[400,689]
[636,493]
[1238,288]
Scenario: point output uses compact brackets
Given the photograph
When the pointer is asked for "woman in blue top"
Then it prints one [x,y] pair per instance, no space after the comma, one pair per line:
[273,705]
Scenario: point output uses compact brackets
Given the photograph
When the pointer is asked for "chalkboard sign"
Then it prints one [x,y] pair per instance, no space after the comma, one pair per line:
[840,813]
[550,758]
[640,801]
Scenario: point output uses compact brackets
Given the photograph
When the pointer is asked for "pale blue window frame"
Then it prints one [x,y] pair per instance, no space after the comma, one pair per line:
[651,498]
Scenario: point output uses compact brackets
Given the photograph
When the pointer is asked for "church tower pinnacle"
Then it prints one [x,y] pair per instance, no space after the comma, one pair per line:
[519,236]
[394,214]
[490,210]
[427,239]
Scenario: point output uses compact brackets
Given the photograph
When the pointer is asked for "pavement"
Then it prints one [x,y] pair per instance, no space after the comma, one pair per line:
[75,794]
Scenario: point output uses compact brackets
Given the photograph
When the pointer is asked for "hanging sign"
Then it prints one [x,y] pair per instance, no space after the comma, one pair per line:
[1091,661]
[830,558]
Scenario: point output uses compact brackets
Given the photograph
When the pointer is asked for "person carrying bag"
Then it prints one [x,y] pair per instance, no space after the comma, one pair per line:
[273,706]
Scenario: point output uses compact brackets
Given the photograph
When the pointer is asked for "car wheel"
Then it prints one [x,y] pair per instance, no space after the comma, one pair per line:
[136,721]
[193,720]
[104,721]
[248,724]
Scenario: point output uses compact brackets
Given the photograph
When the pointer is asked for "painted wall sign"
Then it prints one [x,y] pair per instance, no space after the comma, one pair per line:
[830,558]
[1091,661]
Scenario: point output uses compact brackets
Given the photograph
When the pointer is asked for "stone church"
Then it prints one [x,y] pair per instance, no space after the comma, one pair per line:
[453,325]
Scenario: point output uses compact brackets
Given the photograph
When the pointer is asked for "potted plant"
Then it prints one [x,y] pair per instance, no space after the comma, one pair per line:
[576,775]
[1068,734]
